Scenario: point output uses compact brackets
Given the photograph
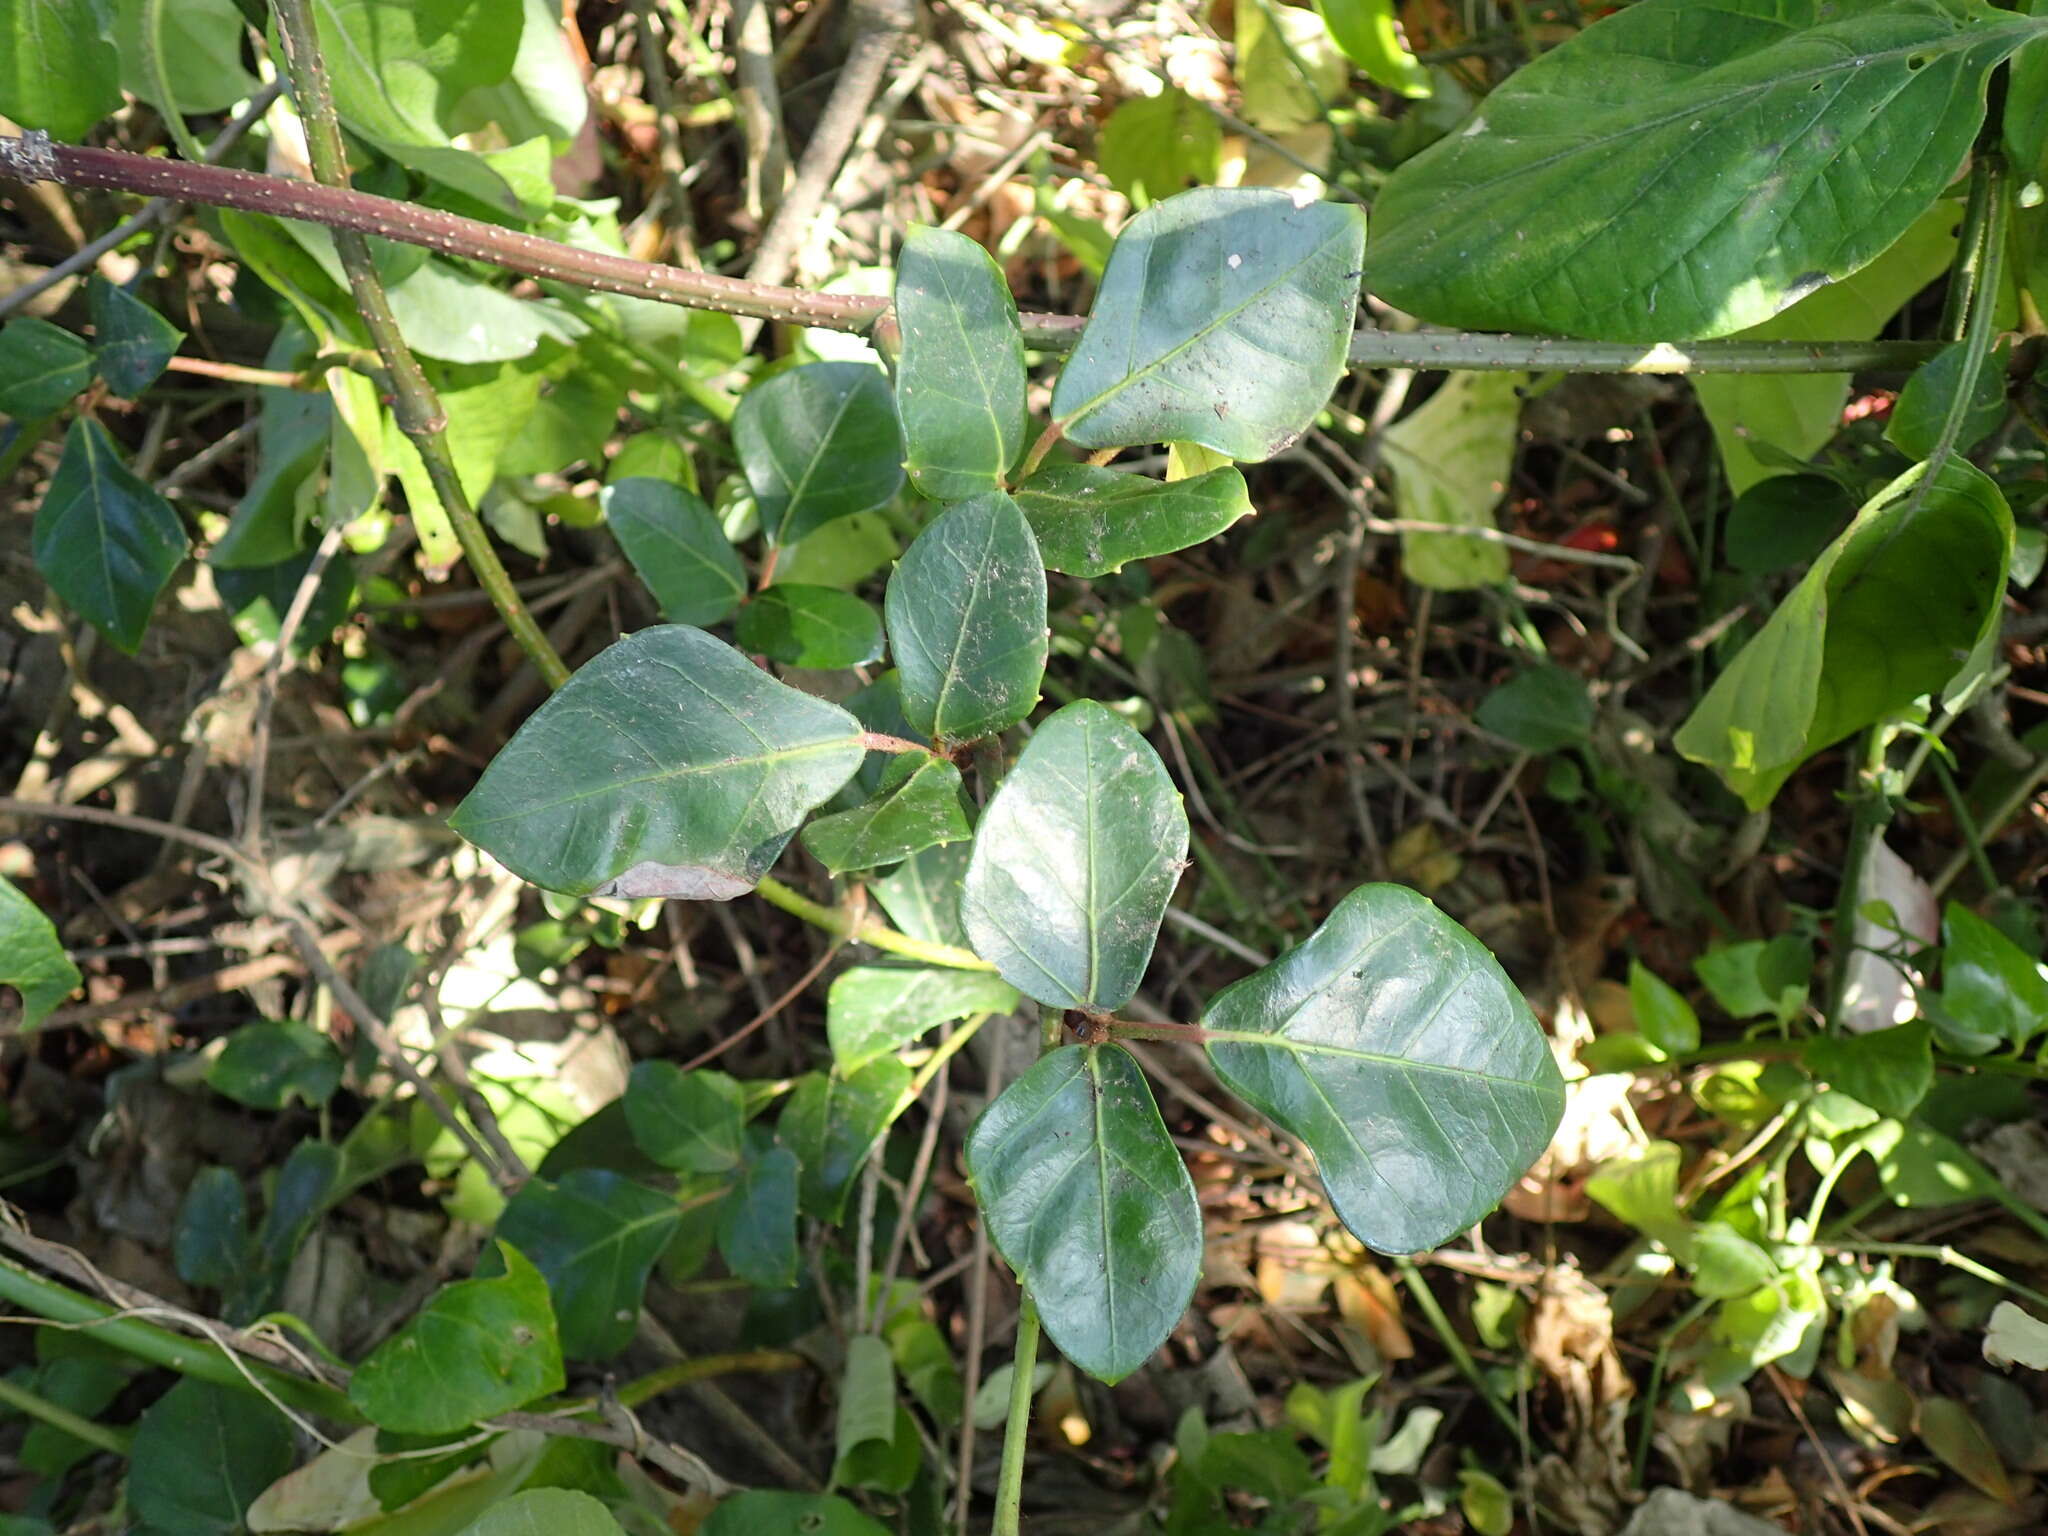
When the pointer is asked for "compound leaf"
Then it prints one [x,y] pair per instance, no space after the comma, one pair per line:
[960,381]
[1223,319]
[669,765]
[104,540]
[1393,1047]
[872,1010]
[817,443]
[594,1237]
[32,958]
[917,807]
[1074,861]
[1089,1202]
[1090,520]
[678,548]
[801,625]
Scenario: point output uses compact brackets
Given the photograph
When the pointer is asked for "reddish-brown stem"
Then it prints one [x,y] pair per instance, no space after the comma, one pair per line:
[875,741]
[1039,450]
[1126,1029]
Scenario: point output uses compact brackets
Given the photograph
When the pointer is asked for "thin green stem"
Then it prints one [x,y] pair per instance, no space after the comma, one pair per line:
[1940,1253]
[1959,807]
[1016,1436]
[1658,1364]
[868,930]
[1461,1357]
[104,1437]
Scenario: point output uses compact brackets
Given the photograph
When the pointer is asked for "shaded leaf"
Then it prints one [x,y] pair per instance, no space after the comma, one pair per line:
[806,626]
[212,1242]
[1888,1069]
[1784,521]
[922,894]
[267,1064]
[1759,976]
[678,548]
[1663,1016]
[1074,861]
[1089,1202]
[832,1122]
[1154,146]
[1952,1432]
[201,1455]
[1451,460]
[57,72]
[104,541]
[1393,1046]
[668,765]
[1222,319]
[1990,987]
[960,379]
[1923,405]
[1092,520]
[594,1237]
[42,366]
[546,1512]
[873,1010]
[693,1121]
[1543,709]
[199,43]
[32,958]
[757,1220]
[766,1513]
[131,341]
[917,806]
[818,442]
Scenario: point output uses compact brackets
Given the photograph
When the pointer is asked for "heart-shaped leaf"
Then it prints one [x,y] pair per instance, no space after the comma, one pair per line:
[960,381]
[32,958]
[692,1121]
[1089,1202]
[872,1010]
[801,625]
[669,765]
[1888,1069]
[1223,319]
[817,443]
[917,806]
[1393,1047]
[832,1122]
[594,1237]
[104,541]
[267,1064]
[966,610]
[1681,170]
[675,543]
[1091,520]
[1074,861]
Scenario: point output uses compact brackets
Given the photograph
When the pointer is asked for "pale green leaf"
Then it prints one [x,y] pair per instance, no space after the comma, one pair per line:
[1155,146]
[1451,460]
[1092,520]
[32,958]
[873,1010]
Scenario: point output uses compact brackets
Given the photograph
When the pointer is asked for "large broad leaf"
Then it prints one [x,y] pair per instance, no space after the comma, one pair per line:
[832,1122]
[1681,170]
[1089,1202]
[1074,861]
[966,612]
[1394,1048]
[818,442]
[201,1455]
[479,1347]
[1223,319]
[104,541]
[916,807]
[668,766]
[546,1512]
[32,958]
[960,380]
[595,1237]
[488,406]
[1887,613]
[1090,520]
[871,1010]
[677,546]
[1451,459]
[57,72]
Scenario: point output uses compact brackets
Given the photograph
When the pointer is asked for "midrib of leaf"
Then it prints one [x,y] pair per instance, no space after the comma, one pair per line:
[94,481]
[967,609]
[1094,912]
[1111,1288]
[816,457]
[1281,1042]
[690,551]
[986,399]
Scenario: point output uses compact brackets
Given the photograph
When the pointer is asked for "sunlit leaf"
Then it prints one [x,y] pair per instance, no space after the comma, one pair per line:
[678,548]
[1090,521]
[960,379]
[32,958]
[873,1010]
[818,442]
[1451,460]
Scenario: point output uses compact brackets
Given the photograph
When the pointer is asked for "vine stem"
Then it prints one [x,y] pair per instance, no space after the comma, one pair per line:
[867,930]
[1016,1437]
[34,157]
[57,1416]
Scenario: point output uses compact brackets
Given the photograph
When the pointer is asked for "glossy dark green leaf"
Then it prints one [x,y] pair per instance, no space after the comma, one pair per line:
[1888,1069]
[1393,1047]
[767,1513]
[917,806]
[960,379]
[201,1455]
[692,1121]
[1681,170]
[817,443]
[668,766]
[1155,146]
[678,548]
[57,72]
[212,1241]
[42,366]
[595,1237]
[1074,861]
[966,610]
[757,1220]
[105,542]
[872,1010]
[1930,394]
[32,958]
[1223,319]
[832,1122]
[131,341]
[479,1347]
[1989,986]
[546,1512]
[1891,609]
[801,625]
[1089,1202]
[1543,709]
[1091,520]
[922,894]
[267,1064]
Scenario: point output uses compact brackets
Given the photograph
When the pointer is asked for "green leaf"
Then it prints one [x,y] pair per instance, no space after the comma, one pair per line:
[867,1394]
[57,72]
[212,1242]
[1663,1016]
[917,807]
[1154,146]
[670,765]
[966,611]
[202,1454]
[488,405]
[1544,709]
[871,1010]
[307,1184]
[1223,319]
[757,1220]
[1725,1264]
[1924,404]
[594,1237]
[678,548]
[1990,987]
[1451,460]
[1074,861]
[42,366]
[1364,29]
[817,443]
[32,958]
[806,626]
[1289,70]
[1783,522]
[1888,1069]
[1890,611]
[832,1122]
[200,47]
[922,894]
[267,1064]
[478,1348]
[1641,1189]
[1393,1046]
[1089,1202]
[693,1121]
[1090,520]
[1762,976]
[767,1513]
[1952,1432]
[960,380]
[105,542]
[131,341]
[546,1512]
[1679,170]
